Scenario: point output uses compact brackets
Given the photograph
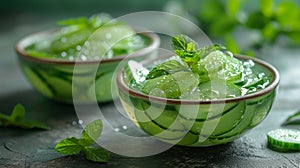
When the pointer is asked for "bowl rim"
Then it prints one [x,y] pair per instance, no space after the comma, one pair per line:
[121,85]
[29,39]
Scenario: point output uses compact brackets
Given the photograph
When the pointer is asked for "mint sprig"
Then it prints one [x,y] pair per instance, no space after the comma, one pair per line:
[17,119]
[293,119]
[72,146]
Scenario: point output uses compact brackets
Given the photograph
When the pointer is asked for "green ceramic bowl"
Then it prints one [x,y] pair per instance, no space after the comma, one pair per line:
[89,81]
[198,122]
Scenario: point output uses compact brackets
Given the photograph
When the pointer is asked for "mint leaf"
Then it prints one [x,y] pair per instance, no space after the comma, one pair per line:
[270,18]
[287,14]
[266,7]
[18,113]
[92,131]
[30,124]
[90,134]
[96,154]
[257,20]
[98,20]
[231,44]
[293,119]
[166,68]
[270,32]
[85,142]
[294,36]
[233,7]
[16,119]
[184,46]
[223,26]
[73,21]
[68,146]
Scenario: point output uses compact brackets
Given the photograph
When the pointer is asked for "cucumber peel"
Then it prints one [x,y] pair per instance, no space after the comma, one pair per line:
[284,139]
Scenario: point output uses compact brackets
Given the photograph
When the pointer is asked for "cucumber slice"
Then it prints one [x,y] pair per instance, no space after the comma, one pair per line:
[165,126]
[286,139]
[203,112]
[161,133]
[242,125]
[62,86]
[188,139]
[165,119]
[263,106]
[222,124]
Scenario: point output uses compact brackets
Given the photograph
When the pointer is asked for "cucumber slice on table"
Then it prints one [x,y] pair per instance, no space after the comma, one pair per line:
[285,139]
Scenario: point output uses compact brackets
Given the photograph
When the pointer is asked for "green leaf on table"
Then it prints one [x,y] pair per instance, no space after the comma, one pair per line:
[30,124]
[18,113]
[68,146]
[17,119]
[93,130]
[96,154]
[83,145]
[293,119]
[266,7]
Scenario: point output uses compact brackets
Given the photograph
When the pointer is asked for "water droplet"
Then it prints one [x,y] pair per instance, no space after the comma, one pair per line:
[108,35]
[117,129]
[83,57]
[78,47]
[63,39]
[79,122]
[124,127]
[71,58]
[87,43]
[63,54]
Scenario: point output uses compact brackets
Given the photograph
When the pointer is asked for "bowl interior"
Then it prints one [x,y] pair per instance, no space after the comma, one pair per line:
[260,66]
[154,42]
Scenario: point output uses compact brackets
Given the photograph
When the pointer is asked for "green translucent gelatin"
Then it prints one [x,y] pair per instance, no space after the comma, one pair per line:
[110,38]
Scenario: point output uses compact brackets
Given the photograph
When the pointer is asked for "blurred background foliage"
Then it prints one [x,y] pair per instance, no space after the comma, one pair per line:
[243,26]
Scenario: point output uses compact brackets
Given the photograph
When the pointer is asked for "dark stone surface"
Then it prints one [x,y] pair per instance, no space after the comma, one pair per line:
[35,148]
